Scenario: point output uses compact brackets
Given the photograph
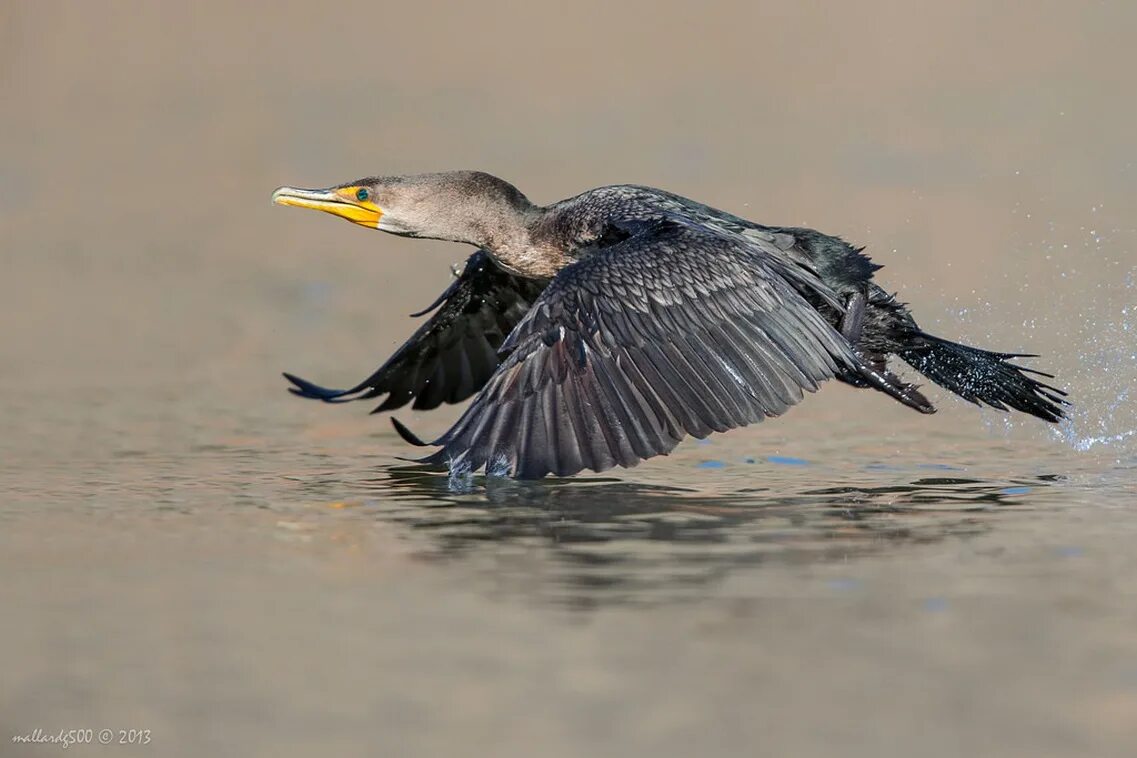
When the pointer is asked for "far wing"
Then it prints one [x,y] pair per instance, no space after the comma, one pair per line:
[674,331]
[455,352]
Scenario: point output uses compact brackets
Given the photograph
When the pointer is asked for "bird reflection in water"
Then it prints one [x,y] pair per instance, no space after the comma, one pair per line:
[611,541]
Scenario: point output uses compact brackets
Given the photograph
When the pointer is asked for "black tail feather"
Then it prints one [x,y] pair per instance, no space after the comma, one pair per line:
[986,378]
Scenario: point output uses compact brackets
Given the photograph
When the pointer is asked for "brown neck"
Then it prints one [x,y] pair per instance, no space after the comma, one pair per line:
[523,244]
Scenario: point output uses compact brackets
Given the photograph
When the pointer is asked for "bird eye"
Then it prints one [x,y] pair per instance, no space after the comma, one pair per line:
[362,194]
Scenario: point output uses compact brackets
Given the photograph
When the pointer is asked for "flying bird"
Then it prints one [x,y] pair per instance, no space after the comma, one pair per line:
[601,330]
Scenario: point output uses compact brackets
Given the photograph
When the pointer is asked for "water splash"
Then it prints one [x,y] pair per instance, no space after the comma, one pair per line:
[499,466]
[1068,434]
[1089,316]
[1106,416]
[461,477]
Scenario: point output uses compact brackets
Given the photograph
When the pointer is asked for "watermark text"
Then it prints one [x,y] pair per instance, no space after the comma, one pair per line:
[65,738]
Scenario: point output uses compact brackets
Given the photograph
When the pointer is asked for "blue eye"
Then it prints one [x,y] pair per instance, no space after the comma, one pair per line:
[362,194]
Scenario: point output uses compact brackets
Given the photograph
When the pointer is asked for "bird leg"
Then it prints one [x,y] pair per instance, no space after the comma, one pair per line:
[853,322]
[874,373]
[872,370]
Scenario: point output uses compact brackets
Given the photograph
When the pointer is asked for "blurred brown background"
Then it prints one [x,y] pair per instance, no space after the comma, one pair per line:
[150,293]
[970,147]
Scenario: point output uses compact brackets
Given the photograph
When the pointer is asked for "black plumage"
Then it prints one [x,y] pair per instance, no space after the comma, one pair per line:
[454,353]
[605,328]
[613,366]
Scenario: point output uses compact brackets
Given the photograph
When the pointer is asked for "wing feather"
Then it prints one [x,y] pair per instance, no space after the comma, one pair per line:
[674,331]
[454,353]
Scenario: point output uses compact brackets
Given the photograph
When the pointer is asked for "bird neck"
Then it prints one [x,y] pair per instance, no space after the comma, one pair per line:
[522,243]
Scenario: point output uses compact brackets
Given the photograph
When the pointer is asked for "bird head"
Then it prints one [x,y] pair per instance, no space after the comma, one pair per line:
[456,205]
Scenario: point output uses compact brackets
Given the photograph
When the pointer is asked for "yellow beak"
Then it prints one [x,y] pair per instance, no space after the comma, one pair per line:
[341,201]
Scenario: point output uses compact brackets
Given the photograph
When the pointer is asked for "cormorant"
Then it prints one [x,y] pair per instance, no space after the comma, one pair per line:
[602,329]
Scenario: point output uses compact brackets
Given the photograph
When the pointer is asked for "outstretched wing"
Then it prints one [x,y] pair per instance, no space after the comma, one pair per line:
[674,331]
[455,352]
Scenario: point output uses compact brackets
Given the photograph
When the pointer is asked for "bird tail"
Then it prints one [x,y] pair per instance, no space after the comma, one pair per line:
[983,377]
